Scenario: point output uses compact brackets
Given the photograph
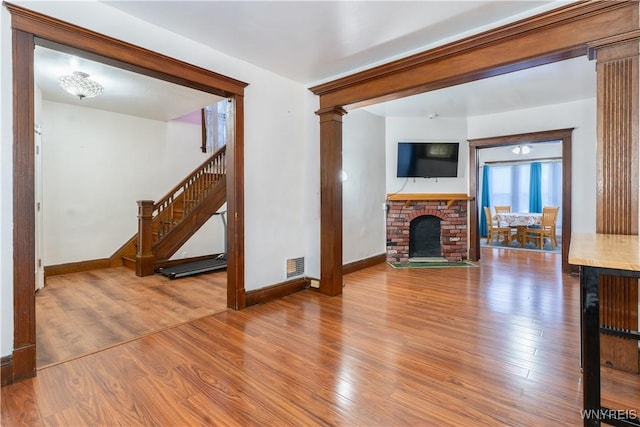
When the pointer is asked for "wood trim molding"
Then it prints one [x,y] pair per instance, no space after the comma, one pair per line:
[607,42]
[563,135]
[6,371]
[93,45]
[262,295]
[557,35]
[75,267]
[363,263]
[30,28]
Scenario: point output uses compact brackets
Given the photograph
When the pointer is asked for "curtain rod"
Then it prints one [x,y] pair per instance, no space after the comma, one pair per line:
[543,159]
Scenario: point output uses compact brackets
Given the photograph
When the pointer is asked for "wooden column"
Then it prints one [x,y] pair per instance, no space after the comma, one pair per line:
[144,254]
[331,200]
[23,362]
[617,185]
[236,298]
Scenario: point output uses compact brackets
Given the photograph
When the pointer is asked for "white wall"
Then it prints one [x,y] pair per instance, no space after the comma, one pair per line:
[580,115]
[311,178]
[363,193]
[276,151]
[6,190]
[439,129]
[96,165]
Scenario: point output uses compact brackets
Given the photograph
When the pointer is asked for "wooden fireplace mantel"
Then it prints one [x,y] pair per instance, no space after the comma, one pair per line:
[449,197]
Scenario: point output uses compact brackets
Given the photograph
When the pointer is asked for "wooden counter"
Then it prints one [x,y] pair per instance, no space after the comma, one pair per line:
[597,255]
[605,250]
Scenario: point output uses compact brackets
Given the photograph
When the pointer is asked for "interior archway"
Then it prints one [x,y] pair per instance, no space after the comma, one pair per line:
[563,135]
[563,33]
[30,28]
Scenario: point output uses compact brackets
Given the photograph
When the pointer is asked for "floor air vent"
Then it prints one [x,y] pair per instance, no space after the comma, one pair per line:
[295,267]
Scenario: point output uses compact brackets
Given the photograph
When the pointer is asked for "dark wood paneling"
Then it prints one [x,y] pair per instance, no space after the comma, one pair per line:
[363,263]
[262,295]
[563,135]
[617,185]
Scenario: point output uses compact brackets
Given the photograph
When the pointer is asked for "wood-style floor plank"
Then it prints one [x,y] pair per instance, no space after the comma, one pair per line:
[80,313]
[491,345]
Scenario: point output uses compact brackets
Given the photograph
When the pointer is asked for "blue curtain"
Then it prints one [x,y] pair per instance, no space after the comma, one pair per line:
[486,200]
[535,188]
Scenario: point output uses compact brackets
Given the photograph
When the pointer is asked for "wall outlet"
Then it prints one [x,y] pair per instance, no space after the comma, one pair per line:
[315,283]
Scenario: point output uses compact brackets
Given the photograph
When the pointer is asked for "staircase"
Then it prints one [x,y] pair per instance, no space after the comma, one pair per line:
[164,226]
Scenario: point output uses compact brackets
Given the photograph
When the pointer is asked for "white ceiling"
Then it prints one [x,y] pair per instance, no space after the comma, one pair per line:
[316,41]
[125,92]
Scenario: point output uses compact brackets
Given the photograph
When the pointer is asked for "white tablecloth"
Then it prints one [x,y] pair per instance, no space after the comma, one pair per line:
[518,219]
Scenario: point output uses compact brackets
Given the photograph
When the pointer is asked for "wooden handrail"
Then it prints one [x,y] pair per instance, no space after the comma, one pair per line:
[191,191]
[220,153]
[156,220]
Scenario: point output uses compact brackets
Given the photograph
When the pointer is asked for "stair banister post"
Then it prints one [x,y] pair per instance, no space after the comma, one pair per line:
[144,253]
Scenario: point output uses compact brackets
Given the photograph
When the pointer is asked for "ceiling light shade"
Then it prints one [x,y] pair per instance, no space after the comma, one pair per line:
[521,149]
[80,85]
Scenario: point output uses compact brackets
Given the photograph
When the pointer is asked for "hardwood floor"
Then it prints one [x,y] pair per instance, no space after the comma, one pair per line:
[492,345]
[81,313]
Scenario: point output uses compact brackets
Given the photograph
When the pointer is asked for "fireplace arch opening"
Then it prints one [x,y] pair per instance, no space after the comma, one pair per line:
[425,237]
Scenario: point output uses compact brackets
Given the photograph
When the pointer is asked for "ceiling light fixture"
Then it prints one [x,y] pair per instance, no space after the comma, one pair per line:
[80,85]
[521,149]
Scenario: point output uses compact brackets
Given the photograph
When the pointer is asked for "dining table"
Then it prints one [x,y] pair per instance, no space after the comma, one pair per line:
[520,221]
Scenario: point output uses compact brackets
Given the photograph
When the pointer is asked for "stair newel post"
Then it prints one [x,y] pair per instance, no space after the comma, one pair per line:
[144,254]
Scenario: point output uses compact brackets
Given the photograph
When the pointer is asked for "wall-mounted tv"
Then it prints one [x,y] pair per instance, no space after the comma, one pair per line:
[427,159]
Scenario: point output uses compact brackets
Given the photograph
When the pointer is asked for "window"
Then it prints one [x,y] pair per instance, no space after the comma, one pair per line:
[215,117]
[509,186]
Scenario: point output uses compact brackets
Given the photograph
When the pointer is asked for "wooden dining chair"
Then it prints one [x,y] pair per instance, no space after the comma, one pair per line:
[494,231]
[505,209]
[547,228]
[502,209]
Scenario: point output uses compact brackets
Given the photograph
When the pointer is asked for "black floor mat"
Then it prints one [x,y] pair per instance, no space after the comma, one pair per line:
[191,268]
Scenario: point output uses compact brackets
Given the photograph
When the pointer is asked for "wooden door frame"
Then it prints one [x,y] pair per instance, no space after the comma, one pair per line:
[30,29]
[559,34]
[562,135]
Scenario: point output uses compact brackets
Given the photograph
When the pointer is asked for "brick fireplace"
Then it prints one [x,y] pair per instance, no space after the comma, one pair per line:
[450,211]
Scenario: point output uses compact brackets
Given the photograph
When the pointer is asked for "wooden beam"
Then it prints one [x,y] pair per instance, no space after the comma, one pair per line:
[560,34]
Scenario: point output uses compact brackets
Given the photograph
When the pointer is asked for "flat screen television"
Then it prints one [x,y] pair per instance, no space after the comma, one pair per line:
[427,159]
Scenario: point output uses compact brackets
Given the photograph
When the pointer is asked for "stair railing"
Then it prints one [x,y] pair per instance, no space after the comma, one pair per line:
[156,220]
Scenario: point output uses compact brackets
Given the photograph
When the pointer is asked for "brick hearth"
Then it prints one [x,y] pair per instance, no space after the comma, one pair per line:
[453,228]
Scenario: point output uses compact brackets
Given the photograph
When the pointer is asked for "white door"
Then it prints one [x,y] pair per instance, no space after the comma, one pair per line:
[38,208]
